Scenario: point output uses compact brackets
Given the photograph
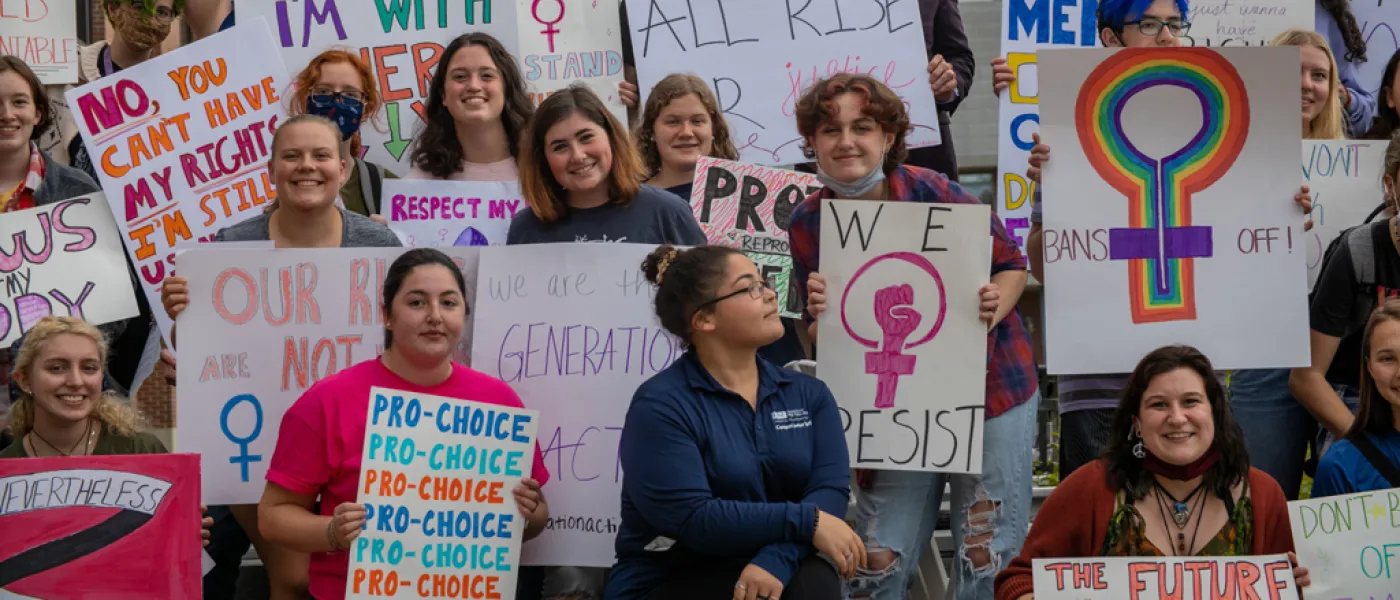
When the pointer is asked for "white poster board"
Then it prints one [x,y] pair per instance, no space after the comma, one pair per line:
[572,329]
[43,34]
[181,143]
[1143,578]
[427,460]
[427,212]
[1147,251]
[568,41]
[1219,23]
[1344,178]
[903,349]
[400,40]
[1348,543]
[270,324]
[760,57]
[63,259]
[1027,27]
[1380,27]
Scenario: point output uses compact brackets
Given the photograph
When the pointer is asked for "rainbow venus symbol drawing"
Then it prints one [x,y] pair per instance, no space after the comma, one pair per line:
[1160,242]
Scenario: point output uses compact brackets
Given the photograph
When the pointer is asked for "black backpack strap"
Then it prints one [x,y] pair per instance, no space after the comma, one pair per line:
[1378,460]
[371,185]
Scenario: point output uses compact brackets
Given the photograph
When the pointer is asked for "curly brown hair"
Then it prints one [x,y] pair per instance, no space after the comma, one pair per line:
[668,90]
[818,105]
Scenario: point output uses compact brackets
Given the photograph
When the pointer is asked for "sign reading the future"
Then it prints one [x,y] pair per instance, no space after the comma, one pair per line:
[1172,235]
[1147,577]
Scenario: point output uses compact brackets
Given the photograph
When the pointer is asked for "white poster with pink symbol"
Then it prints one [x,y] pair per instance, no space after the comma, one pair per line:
[903,349]
[430,213]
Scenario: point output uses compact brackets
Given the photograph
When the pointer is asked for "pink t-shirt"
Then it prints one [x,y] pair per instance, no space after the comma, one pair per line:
[323,437]
[505,170]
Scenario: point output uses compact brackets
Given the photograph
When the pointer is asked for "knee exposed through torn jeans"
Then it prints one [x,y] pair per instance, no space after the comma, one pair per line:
[900,511]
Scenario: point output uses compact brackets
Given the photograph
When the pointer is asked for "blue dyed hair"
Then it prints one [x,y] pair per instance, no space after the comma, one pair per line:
[1114,13]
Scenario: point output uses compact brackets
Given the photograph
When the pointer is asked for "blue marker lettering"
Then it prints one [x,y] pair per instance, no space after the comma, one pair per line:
[243,457]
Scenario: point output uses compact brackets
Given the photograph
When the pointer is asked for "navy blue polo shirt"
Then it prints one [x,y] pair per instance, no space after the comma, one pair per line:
[709,479]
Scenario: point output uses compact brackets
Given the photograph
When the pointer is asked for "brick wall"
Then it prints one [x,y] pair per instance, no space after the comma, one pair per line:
[156,401]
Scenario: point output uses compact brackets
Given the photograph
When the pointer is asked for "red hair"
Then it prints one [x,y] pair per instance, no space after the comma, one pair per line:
[878,101]
[308,77]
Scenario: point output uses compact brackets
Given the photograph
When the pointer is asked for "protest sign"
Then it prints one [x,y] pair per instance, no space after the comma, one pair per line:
[1245,22]
[1344,178]
[65,259]
[572,329]
[567,41]
[1380,27]
[181,144]
[747,207]
[1160,236]
[1144,578]
[798,44]
[271,323]
[427,212]
[122,526]
[436,481]
[1350,544]
[401,41]
[902,279]
[1026,27]
[43,34]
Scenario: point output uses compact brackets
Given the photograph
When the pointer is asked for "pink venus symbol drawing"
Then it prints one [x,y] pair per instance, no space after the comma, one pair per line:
[898,319]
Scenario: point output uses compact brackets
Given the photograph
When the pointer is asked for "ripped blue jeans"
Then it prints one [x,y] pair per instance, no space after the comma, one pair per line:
[990,514]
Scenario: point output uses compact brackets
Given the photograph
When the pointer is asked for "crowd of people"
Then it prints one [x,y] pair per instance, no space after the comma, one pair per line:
[1173,459]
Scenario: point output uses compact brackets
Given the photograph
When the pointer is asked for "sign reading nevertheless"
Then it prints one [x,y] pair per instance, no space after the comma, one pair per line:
[572,329]
[760,57]
[1169,236]
[133,519]
[436,480]
[181,144]
[400,40]
[43,34]
[1147,578]
[270,324]
[1344,178]
[65,259]
[1026,27]
[1350,544]
[427,212]
[902,279]
[747,207]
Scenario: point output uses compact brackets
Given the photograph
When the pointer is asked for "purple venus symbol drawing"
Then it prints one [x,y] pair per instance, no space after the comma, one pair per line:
[898,319]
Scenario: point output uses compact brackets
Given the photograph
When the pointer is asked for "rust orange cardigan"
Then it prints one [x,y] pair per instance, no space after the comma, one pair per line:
[1074,521]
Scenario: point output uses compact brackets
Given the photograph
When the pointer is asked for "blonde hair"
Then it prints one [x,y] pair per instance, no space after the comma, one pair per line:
[277,136]
[1328,124]
[111,410]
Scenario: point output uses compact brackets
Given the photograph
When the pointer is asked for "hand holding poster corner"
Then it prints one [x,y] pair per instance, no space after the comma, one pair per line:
[902,282]
[1144,578]
[63,259]
[1350,544]
[450,464]
[181,143]
[432,213]
[747,207]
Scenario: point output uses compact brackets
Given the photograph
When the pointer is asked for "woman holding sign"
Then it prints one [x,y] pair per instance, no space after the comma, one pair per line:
[681,123]
[855,126]
[1175,480]
[1367,458]
[322,436]
[736,471]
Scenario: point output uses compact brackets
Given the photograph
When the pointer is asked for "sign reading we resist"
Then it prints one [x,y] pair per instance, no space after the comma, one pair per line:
[437,475]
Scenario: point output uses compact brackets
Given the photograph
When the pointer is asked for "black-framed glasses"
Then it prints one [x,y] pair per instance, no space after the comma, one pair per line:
[754,290]
[1152,26]
[325,95]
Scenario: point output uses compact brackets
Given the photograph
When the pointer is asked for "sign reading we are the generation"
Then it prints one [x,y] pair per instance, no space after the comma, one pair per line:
[181,144]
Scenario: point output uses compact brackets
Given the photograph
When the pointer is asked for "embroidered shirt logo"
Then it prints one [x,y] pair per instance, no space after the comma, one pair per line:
[784,420]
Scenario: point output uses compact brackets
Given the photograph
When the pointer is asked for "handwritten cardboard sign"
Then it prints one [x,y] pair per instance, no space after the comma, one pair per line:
[1344,177]
[747,207]
[1246,22]
[436,480]
[1350,544]
[429,213]
[902,279]
[63,259]
[568,41]
[181,144]
[1380,27]
[760,57]
[572,329]
[270,324]
[1168,236]
[1144,578]
[43,34]
[100,527]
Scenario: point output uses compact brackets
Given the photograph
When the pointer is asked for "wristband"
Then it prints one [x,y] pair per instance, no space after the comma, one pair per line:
[330,535]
